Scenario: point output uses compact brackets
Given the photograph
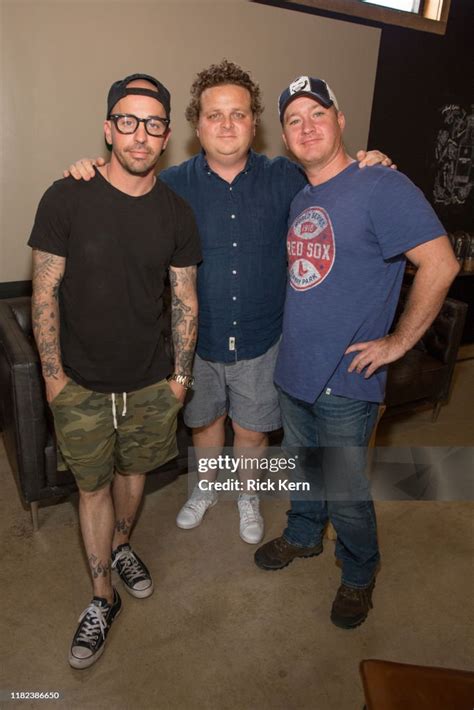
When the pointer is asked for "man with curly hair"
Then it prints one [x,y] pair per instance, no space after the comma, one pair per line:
[241,201]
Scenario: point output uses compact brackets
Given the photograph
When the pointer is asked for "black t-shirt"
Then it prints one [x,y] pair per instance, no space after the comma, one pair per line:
[118,249]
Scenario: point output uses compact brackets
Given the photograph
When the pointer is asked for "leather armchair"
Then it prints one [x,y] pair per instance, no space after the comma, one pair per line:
[424,373]
[25,417]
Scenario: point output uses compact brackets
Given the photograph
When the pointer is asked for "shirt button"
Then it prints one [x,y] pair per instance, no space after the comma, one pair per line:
[234,323]
[230,189]
[234,244]
[232,216]
[234,298]
[234,271]
[209,172]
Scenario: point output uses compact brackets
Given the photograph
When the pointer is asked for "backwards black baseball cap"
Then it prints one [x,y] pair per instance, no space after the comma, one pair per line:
[119,89]
[307,86]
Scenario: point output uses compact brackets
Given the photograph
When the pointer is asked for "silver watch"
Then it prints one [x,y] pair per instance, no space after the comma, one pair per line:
[187,381]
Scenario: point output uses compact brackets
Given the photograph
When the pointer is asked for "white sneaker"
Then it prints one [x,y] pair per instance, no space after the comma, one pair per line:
[251,522]
[192,512]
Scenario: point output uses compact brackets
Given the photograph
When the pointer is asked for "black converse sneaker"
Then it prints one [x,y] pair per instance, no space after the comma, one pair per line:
[132,571]
[94,623]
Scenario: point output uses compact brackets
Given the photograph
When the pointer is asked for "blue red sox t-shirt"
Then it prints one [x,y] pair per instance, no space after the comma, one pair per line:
[346,244]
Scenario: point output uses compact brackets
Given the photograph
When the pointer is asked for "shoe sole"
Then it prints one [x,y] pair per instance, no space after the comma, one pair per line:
[80,664]
[298,557]
[251,542]
[195,525]
[138,593]
[345,625]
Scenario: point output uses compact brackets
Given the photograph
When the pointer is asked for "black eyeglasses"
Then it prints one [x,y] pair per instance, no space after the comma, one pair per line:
[127,123]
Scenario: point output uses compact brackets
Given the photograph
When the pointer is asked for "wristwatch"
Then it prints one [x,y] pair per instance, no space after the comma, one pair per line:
[187,381]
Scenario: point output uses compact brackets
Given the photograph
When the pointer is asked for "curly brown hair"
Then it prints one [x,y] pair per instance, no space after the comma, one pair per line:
[216,75]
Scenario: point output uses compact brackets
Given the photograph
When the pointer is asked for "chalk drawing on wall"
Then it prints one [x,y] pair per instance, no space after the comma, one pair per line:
[454,154]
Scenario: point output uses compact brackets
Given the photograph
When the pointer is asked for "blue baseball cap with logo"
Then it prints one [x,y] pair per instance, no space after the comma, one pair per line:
[307,86]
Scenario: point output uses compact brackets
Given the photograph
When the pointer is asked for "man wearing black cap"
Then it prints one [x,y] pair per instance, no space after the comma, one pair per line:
[101,251]
[349,233]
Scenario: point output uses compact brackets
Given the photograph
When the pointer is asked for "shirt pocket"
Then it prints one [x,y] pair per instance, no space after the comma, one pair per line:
[259,232]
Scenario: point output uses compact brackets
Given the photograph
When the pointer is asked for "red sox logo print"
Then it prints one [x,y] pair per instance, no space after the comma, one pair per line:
[311,248]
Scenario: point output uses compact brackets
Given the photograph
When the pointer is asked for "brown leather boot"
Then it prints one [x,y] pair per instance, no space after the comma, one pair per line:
[351,606]
[278,553]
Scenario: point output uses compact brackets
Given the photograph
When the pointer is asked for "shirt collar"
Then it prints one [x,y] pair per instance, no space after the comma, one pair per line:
[203,164]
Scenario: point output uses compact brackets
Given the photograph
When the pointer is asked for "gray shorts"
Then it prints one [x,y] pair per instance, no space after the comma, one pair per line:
[244,389]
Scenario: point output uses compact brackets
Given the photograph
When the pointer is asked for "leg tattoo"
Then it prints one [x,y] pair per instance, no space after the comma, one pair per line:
[99,568]
[124,526]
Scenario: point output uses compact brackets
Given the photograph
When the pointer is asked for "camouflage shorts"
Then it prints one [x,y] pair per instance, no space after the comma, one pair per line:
[96,436]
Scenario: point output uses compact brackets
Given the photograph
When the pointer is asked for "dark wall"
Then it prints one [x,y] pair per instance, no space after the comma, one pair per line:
[14,289]
[423,112]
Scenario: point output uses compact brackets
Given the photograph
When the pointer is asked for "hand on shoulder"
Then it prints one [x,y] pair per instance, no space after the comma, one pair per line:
[374,157]
[84,169]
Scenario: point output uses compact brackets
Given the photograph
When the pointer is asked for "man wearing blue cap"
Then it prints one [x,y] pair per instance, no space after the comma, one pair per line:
[101,251]
[349,233]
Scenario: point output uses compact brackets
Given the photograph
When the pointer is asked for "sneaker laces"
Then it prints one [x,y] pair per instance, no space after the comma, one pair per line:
[248,509]
[92,622]
[132,568]
[197,506]
[198,501]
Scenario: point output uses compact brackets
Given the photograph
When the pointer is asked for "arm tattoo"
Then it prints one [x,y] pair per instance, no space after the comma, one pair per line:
[99,568]
[184,310]
[48,270]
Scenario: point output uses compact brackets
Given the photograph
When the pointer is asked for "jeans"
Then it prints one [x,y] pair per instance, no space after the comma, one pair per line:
[329,438]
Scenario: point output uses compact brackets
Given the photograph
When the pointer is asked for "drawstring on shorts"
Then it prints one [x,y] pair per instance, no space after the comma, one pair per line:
[114,407]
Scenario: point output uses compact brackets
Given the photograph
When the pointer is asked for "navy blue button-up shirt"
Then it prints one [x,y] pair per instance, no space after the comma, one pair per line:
[243,225]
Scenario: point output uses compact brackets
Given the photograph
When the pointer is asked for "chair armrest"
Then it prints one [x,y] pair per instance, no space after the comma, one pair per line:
[443,337]
[23,415]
